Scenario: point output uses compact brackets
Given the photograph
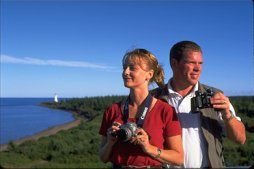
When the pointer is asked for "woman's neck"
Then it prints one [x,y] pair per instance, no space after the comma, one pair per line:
[136,102]
[137,97]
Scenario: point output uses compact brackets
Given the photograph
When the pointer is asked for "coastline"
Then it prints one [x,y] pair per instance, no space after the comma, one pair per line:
[45,133]
[51,130]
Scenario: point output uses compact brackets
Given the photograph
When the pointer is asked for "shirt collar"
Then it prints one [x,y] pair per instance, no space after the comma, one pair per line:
[172,92]
[170,89]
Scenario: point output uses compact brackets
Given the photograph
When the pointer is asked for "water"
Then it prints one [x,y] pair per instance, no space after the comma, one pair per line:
[21,117]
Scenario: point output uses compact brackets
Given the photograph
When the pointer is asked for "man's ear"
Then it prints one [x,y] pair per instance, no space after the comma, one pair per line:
[173,62]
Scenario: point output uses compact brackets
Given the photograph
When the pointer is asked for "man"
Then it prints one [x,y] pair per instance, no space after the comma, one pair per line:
[202,128]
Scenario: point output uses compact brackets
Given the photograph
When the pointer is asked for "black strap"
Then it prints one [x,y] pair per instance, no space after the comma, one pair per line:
[148,102]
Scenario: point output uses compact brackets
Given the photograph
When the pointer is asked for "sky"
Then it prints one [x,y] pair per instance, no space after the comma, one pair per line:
[74,48]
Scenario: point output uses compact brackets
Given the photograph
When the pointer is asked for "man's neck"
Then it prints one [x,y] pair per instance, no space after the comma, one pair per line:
[181,88]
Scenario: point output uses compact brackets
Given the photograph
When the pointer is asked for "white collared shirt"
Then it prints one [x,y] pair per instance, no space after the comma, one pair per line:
[194,145]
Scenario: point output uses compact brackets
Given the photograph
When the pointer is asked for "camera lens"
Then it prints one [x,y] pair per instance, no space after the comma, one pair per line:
[121,134]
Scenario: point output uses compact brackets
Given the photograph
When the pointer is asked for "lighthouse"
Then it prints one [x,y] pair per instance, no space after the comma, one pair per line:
[56,98]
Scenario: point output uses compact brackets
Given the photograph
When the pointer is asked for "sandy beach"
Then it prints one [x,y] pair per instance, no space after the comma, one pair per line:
[45,133]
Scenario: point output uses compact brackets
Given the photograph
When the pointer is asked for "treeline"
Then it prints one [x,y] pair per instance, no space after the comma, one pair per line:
[78,147]
[87,107]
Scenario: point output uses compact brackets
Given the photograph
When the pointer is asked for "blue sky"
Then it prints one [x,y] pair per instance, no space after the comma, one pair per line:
[74,48]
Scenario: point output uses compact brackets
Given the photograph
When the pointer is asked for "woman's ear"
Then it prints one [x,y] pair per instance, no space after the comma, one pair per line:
[149,75]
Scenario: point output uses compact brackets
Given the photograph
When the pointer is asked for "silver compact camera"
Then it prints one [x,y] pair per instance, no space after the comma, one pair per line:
[126,132]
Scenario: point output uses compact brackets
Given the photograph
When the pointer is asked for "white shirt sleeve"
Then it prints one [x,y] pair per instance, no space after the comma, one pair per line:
[231,108]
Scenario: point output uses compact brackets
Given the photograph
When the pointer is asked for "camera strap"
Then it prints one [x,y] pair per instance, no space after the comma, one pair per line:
[147,104]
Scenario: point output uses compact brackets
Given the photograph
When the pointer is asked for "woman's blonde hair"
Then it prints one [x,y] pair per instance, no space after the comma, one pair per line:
[143,56]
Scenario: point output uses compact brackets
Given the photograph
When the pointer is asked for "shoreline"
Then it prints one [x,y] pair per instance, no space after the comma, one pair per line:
[49,131]
[45,133]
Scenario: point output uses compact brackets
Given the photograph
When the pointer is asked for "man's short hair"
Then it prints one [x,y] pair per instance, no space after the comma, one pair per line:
[178,50]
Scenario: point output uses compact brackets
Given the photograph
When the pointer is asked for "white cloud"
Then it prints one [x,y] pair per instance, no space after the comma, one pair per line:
[35,61]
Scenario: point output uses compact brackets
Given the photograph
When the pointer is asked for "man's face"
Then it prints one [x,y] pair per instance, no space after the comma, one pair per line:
[188,70]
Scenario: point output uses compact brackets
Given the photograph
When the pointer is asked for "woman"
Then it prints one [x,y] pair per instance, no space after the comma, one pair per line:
[157,137]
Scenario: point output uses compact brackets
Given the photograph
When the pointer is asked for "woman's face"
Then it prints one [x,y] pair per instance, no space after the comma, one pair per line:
[135,74]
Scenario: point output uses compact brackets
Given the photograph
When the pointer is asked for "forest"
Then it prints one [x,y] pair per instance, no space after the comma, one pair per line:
[78,147]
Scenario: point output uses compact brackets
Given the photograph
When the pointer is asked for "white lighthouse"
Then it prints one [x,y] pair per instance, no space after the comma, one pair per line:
[56,98]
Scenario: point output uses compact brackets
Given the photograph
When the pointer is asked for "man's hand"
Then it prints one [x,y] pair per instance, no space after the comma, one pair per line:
[235,128]
[221,103]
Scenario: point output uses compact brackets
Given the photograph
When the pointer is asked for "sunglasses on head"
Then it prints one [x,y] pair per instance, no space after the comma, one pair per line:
[142,51]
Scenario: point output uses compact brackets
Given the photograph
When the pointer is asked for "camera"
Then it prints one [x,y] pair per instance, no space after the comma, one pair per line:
[201,100]
[126,132]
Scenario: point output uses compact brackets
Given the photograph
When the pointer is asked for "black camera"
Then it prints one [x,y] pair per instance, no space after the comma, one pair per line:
[126,132]
[201,100]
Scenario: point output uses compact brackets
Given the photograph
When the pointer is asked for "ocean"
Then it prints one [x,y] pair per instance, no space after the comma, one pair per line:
[21,117]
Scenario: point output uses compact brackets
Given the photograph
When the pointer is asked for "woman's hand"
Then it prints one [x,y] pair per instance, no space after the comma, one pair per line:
[107,142]
[110,133]
[142,139]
